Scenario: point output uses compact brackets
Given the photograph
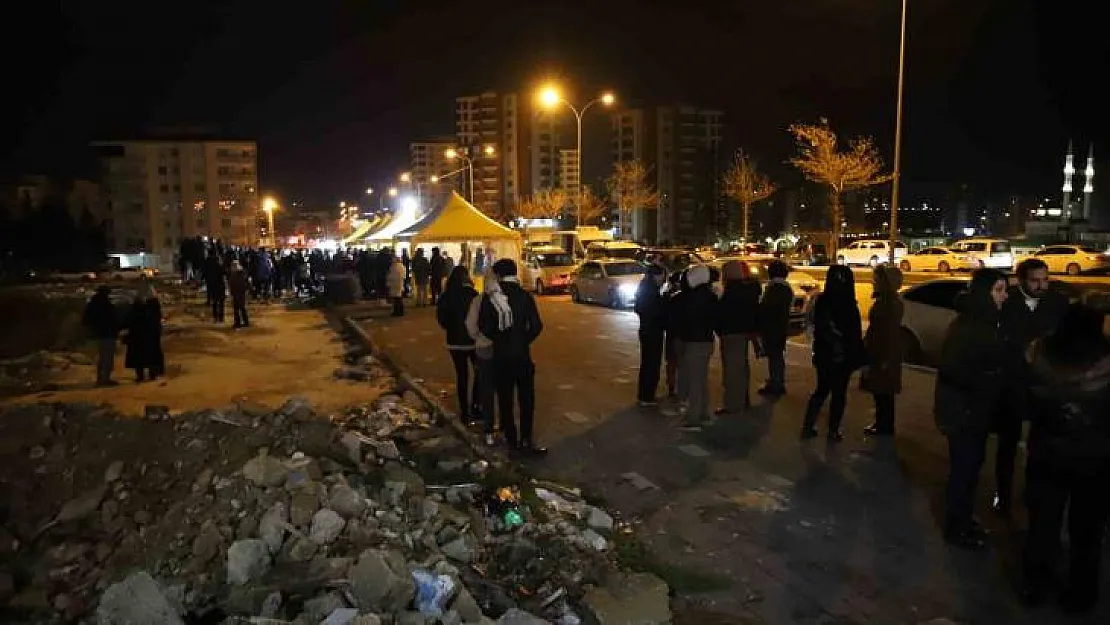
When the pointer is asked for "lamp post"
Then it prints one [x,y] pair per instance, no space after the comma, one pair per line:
[268,205]
[468,163]
[897,178]
[551,98]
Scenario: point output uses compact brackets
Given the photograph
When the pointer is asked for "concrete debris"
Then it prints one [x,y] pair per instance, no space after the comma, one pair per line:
[137,600]
[247,560]
[629,598]
[326,526]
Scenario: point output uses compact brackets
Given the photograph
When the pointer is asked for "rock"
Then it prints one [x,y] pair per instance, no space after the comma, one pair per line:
[450,617]
[404,481]
[303,506]
[318,608]
[429,509]
[466,606]
[204,479]
[253,409]
[271,605]
[142,517]
[298,409]
[247,560]
[599,519]
[629,598]
[302,549]
[156,412]
[380,581]
[271,529]
[461,549]
[326,526]
[113,472]
[386,449]
[83,505]
[517,616]
[410,618]
[595,540]
[347,502]
[137,600]
[450,466]
[264,470]
[208,543]
[352,373]
[341,616]
[368,619]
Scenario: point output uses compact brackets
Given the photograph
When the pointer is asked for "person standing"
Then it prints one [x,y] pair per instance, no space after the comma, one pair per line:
[484,381]
[395,286]
[737,325]
[671,347]
[421,273]
[1069,458]
[774,326]
[436,273]
[407,263]
[968,389]
[837,350]
[512,322]
[144,335]
[695,313]
[102,322]
[214,277]
[1031,312]
[451,311]
[649,308]
[237,286]
[882,377]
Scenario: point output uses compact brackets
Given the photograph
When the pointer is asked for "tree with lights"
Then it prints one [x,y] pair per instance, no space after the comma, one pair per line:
[821,160]
[744,183]
[630,190]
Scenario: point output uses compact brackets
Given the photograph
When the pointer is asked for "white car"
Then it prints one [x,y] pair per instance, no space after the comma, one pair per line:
[613,249]
[993,253]
[936,259]
[869,252]
[545,269]
[612,282]
[1074,259]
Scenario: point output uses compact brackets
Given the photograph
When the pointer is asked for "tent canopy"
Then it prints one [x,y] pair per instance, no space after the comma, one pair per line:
[362,230]
[397,225]
[460,222]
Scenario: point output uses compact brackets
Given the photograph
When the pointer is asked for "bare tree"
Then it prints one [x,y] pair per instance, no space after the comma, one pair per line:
[820,160]
[590,206]
[745,184]
[630,190]
[543,204]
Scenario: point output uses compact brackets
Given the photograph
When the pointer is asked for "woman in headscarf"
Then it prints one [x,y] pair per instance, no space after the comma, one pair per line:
[883,375]
[483,355]
[737,327]
[451,310]
[144,335]
[837,349]
[967,392]
[694,316]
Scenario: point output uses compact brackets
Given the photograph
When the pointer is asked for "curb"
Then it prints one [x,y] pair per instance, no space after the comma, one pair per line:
[438,409]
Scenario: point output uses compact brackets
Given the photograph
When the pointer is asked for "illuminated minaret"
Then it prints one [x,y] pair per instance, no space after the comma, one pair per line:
[1088,181]
[1069,171]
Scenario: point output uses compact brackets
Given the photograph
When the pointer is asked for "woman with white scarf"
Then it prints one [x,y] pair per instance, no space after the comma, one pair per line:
[483,352]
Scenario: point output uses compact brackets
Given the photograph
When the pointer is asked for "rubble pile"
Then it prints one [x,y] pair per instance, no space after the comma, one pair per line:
[250,514]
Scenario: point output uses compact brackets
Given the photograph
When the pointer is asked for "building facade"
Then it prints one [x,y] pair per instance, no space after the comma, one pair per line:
[159,192]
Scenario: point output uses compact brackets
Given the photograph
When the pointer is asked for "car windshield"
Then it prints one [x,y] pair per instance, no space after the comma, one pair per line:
[972,247]
[624,269]
[555,260]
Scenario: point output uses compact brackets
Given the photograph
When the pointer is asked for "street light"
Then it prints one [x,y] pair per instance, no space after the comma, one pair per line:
[550,97]
[269,204]
[464,154]
[896,180]
[369,190]
[405,177]
[392,191]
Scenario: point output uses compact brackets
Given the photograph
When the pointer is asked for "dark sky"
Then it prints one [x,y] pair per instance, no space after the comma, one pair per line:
[334,91]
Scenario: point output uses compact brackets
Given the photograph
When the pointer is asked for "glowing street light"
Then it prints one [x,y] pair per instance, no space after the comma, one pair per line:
[434,179]
[550,98]
[405,177]
[269,205]
[369,190]
[392,191]
[464,154]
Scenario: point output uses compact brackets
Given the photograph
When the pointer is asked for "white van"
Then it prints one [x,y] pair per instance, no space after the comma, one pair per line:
[614,249]
[576,241]
[869,252]
[993,253]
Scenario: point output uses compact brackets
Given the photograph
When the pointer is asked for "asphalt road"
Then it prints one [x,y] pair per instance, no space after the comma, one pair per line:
[802,532]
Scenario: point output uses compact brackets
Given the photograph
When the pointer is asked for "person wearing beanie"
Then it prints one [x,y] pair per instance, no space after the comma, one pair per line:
[511,321]
[882,376]
[774,326]
[737,327]
[695,313]
[650,309]
[837,350]
[967,392]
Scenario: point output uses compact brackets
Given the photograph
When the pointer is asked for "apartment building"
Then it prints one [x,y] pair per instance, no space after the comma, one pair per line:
[680,146]
[158,192]
[429,160]
[570,171]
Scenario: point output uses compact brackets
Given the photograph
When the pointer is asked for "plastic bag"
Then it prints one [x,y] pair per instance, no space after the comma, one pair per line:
[432,592]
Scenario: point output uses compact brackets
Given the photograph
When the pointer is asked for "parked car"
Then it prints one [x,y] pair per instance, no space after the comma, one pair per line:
[803,284]
[612,282]
[993,253]
[547,269]
[869,252]
[1074,259]
[673,258]
[613,249]
[937,259]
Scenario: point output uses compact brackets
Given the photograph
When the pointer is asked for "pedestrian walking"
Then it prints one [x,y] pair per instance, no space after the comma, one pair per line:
[451,311]
[395,286]
[737,326]
[484,381]
[103,324]
[774,326]
[649,308]
[882,376]
[837,350]
[214,278]
[421,274]
[436,273]
[695,314]
[1031,312]
[237,286]
[1069,458]
[512,322]
[968,389]
[144,335]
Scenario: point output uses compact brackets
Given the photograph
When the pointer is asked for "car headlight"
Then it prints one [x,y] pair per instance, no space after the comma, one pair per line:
[627,291]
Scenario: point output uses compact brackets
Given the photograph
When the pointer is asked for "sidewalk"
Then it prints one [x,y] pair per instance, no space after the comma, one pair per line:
[759,527]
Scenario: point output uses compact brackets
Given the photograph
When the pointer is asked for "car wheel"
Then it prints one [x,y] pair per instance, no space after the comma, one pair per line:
[840,260]
[1074,270]
[539,287]
[904,266]
[944,266]
[911,348]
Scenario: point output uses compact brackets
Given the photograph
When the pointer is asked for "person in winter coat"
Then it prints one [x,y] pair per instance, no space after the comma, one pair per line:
[695,314]
[437,270]
[737,325]
[837,349]
[451,311]
[649,308]
[882,376]
[103,324]
[511,320]
[1031,312]
[1069,457]
[237,286]
[395,286]
[483,356]
[214,277]
[968,390]
[144,335]
[774,326]
[421,273]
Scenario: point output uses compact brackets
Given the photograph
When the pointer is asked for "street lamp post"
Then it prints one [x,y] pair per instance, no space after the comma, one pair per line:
[897,178]
[468,163]
[268,205]
[550,97]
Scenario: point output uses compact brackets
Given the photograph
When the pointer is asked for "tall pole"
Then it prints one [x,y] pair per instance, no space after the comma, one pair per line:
[897,180]
[270,227]
[578,155]
[470,172]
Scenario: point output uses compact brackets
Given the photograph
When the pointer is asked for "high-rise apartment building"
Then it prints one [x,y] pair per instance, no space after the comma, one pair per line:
[680,148]
[570,170]
[429,159]
[159,192]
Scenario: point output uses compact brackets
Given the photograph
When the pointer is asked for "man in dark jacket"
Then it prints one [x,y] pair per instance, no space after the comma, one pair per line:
[103,323]
[437,271]
[1031,312]
[421,273]
[774,325]
[694,316]
[237,285]
[649,308]
[214,276]
[737,324]
[511,321]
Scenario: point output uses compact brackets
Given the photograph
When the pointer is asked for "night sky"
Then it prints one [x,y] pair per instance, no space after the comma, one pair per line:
[335,91]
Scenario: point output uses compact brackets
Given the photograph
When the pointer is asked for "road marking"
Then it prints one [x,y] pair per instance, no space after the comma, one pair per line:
[693,451]
[576,417]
